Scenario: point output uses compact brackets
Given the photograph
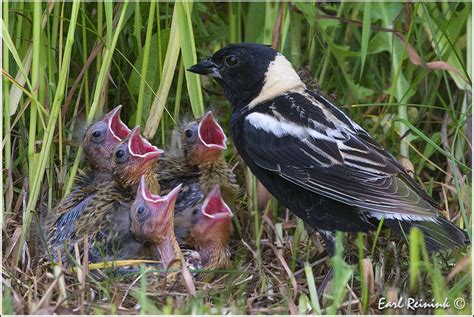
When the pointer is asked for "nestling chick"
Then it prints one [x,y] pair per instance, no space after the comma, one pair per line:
[99,142]
[105,216]
[152,223]
[135,158]
[199,167]
[211,234]
[203,143]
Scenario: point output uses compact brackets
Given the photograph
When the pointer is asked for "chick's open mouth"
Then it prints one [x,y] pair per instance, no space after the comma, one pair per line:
[211,133]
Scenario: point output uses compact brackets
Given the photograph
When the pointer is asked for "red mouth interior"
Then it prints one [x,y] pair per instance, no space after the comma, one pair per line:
[211,132]
[156,200]
[140,146]
[215,205]
[118,128]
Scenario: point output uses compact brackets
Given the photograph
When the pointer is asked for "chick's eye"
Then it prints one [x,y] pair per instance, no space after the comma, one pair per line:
[96,134]
[141,214]
[120,156]
[188,133]
[231,61]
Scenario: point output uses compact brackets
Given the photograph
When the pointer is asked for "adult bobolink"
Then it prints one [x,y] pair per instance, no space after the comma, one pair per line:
[312,157]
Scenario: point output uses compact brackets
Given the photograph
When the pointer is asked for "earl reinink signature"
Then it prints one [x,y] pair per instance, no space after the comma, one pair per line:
[412,303]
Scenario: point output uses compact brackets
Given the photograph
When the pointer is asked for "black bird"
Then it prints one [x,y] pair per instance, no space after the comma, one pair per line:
[313,158]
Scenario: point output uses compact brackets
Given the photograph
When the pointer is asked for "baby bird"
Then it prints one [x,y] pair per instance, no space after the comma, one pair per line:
[199,167]
[152,222]
[135,158]
[211,234]
[202,159]
[99,142]
[204,143]
[105,215]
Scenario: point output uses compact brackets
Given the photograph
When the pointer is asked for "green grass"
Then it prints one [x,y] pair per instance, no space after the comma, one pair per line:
[402,71]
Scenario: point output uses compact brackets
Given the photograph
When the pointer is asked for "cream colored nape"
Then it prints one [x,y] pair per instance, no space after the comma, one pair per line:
[279,79]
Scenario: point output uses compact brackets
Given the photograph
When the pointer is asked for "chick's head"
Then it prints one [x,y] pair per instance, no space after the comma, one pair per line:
[214,227]
[102,137]
[133,158]
[152,216]
[203,140]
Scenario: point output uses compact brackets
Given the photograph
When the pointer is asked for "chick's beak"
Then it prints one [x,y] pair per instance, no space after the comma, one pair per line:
[206,67]
[211,134]
[163,205]
[214,206]
[140,148]
[117,128]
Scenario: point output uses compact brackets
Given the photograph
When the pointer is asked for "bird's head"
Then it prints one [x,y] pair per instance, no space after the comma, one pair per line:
[102,137]
[152,216]
[134,157]
[248,70]
[203,140]
[214,227]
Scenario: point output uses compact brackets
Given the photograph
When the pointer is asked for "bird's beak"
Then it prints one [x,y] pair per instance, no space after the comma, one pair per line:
[214,206]
[206,67]
[117,128]
[139,147]
[163,205]
[211,134]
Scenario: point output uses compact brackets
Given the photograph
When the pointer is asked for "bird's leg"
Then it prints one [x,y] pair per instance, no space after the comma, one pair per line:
[329,238]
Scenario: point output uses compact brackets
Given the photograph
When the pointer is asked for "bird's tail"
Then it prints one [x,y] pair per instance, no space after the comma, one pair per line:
[439,234]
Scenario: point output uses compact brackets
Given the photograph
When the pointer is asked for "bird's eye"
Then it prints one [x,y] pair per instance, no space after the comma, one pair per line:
[99,132]
[188,133]
[141,213]
[231,61]
[120,156]
[96,134]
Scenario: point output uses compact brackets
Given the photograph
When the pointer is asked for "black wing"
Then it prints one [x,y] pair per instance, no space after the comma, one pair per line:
[311,143]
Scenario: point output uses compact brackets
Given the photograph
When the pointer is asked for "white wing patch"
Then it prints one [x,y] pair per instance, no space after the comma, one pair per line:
[400,216]
[279,128]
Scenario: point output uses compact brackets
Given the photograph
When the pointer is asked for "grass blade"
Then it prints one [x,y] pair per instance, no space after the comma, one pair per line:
[364,46]
[48,135]
[188,55]
[313,293]
[144,69]
[159,103]
[101,83]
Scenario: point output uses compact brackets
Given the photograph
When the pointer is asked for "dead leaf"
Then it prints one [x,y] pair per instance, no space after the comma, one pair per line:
[442,65]
[368,274]
[13,241]
[463,265]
